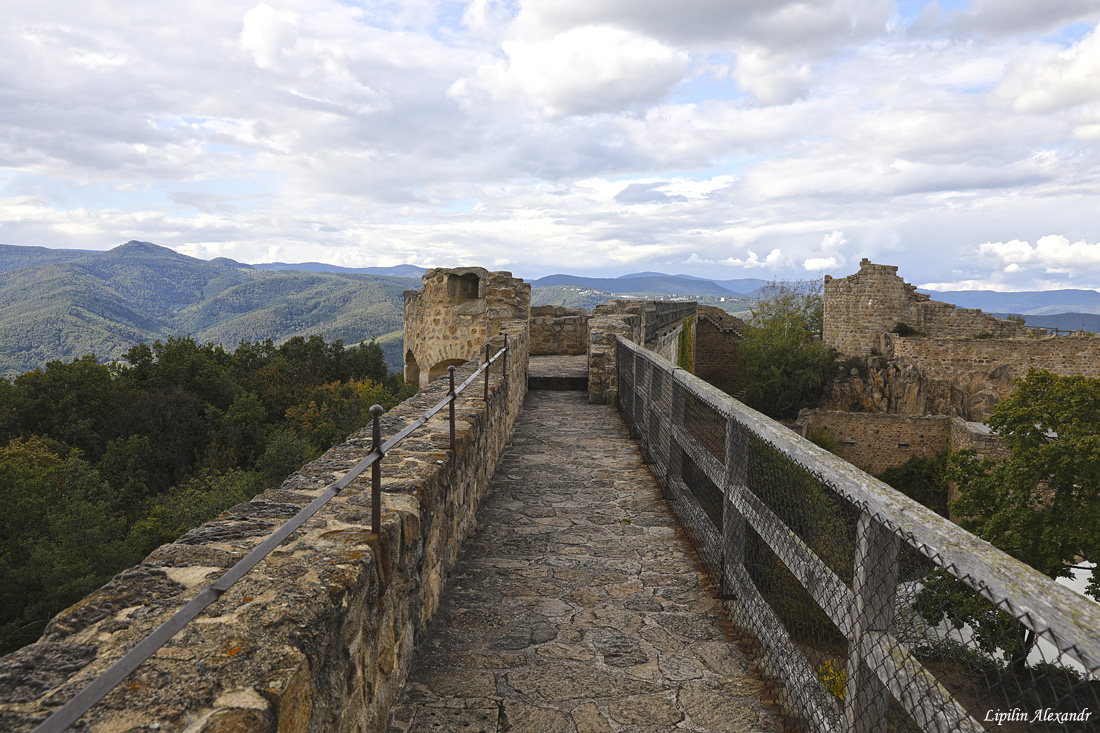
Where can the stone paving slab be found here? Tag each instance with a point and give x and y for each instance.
(551, 365)
(576, 607)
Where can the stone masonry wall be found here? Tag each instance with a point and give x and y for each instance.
(966, 378)
(618, 318)
(319, 636)
(861, 307)
(558, 330)
(978, 437)
(454, 314)
(627, 318)
(955, 360)
(717, 346)
(874, 442)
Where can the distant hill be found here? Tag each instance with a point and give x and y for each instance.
(13, 257)
(105, 302)
(744, 286)
(642, 283)
(1063, 321)
(1036, 302)
(572, 296)
(392, 271)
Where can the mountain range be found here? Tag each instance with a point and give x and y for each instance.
(64, 303)
(61, 304)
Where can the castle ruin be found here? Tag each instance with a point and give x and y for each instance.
(457, 311)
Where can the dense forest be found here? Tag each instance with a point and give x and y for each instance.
(100, 464)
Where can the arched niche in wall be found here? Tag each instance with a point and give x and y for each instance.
(412, 369)
(463, 287)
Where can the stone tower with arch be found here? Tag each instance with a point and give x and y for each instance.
(448, 321)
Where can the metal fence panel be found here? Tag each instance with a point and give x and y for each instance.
(871, 611)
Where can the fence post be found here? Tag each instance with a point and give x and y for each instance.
(451, 394)
(673, 474)
(733, 522)
(376, 473)
(873, 585)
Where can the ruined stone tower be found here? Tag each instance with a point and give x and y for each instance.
(861, 307)
(457, 311)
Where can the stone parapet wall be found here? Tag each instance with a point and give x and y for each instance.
(717, 348)
(319, 636)
(874, 441)
(656, 325)
(558, 330)
(861, 307)
(603, 380)
(958, 360)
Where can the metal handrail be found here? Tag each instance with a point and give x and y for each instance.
(79, 704)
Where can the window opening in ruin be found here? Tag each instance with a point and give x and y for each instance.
(412, 369)
(903, 445)
(463, 287)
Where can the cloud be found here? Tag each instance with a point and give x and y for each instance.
(593, 132)
(645, 193)
(584, 70)
(999, 18)
(1066, 79)
(268, 35)
(773, 260)
(1054, 253)
(830, 258)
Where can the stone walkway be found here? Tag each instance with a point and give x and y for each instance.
(576, 607)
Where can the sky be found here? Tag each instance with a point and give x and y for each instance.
(959, 140)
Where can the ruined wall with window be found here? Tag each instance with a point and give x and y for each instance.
(861, 307)
(449, 320)
(873, 441)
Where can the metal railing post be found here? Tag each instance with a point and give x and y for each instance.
(376, 473)
(451, 394)
(488, 347)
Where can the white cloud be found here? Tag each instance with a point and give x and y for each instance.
(268, 34)
(773, 260)
(1069, 78)
(831, 257)
(583, 70)
(816, 264)
(1054, 252)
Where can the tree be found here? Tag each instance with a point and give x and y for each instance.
(785, 362)
(1041, 504)
(59, 539)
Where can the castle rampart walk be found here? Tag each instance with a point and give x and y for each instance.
(576, 605)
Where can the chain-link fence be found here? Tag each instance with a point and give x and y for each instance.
(868, 610)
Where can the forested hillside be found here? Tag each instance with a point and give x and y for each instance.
(63, 304)
(100, 464)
